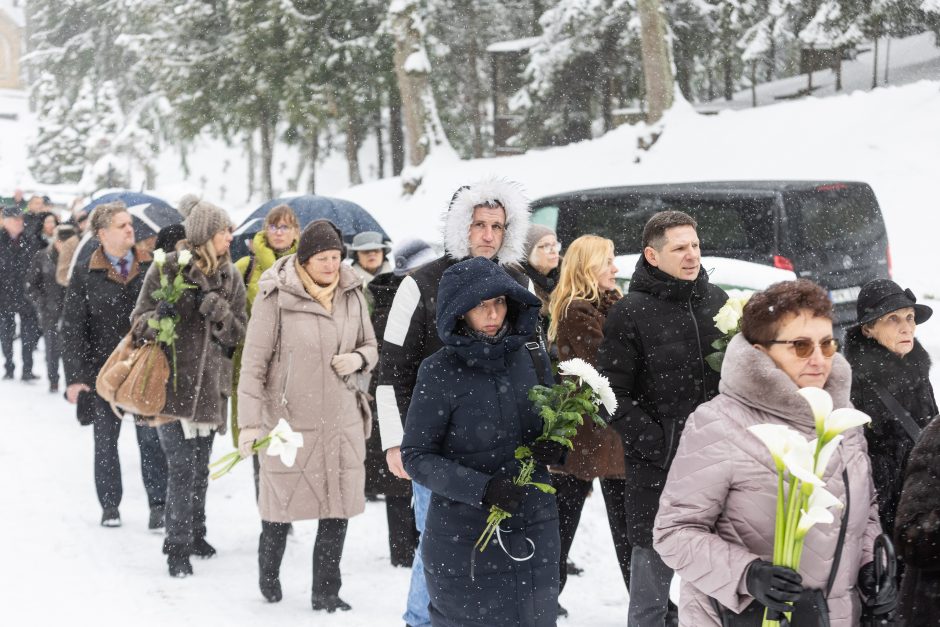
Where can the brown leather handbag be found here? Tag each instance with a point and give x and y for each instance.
(135, 379)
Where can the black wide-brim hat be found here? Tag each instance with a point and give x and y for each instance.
(882, 296)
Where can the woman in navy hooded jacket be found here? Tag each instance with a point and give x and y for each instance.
(469, 412)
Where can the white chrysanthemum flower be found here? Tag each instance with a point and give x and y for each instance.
(159, 257)
(588, 375)
(184, 258)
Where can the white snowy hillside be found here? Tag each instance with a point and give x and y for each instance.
(889, 138)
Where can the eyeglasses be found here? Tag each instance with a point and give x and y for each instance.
(550, 248)
(279, 228)
(804, 348)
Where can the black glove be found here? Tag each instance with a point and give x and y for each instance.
(879, 603)
(548, 452)
(773, 586)
(504, 494)
(165, 310)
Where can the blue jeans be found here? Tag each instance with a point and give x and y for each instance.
(416, 614)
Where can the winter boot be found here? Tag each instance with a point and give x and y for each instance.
(28, 376)
(327, 552)
(271, 546)
(178, 559)
(110, 517)
(330, 603)
(203, 549)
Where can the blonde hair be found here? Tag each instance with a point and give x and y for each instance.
(207, 259)
(585, 258)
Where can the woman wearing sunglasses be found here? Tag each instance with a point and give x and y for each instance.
(715, 524)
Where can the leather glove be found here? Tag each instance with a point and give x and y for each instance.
(213, 306)
(165, 310)
(504, 494)
(879, 603)
(773, 586)
(347, 363)
(548, 452)
(246, 439)
(650, 443)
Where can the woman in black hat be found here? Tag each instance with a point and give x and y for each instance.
(890, 383)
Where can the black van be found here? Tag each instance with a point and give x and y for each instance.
(830, 232)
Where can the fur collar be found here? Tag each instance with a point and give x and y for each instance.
(870, 360)
(751, 377)
(458, 218)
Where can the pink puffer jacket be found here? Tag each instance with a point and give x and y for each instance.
(716, 514)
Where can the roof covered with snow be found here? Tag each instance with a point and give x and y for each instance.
(14, 9)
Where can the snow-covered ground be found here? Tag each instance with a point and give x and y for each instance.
(60, 565)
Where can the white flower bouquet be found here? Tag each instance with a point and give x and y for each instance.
(169, 292)
(282, 442)
(728, 321)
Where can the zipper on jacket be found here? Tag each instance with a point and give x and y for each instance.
(698, 343)
(290, 364)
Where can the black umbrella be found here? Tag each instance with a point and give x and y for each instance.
(149, 214)
(349, 217)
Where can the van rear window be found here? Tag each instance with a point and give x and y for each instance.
(724, 225)
(834, 216)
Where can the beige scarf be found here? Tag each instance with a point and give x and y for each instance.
(323, 294)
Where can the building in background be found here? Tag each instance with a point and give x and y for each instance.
(12, 24)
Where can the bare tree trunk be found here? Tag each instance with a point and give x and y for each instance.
(352, 150)
(423, 130)
(874, 67)
(267, 156)
(754, 83)
(474, 90)
(396, 139)
(657, 67)
(379, 143)
(314, 155)
(252, 164)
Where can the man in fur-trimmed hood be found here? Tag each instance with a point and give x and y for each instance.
(489, 218)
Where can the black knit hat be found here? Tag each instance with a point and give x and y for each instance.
(882, 296)
(318, 236)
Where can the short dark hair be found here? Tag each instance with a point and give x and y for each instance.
(765, 310)
(104, 213)
(654, 233)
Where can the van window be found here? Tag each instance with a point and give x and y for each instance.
(833, 216)
(725, 225)
(546, 216)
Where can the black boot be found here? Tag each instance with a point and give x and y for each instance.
(327, 552)
(271, 545)
(178, 559)
(203, 549)
(157, 518)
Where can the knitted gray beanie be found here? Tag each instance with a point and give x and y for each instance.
(204, 221)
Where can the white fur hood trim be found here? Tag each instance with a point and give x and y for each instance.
(509, 195)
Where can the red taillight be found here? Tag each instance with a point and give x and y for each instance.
(783, 263)
(888, 255)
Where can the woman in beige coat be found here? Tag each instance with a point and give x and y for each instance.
(308, 347)
(715, 524)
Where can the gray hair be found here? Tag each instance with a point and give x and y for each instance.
(103, 214)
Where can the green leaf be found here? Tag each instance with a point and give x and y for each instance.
(561, 440)
(714, 360)
(153, 324)
(544, 487)
(523, 452)
(720, 344)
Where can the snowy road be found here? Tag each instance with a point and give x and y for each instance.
(59, 565)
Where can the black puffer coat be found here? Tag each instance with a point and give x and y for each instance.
(917, 532)
(907, 380)
(15, 258)
(97, 313)
(655, 342)
(468, 414)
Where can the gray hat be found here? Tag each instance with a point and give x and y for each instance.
(12, 211)
(534, 234)
(204, 221)
(411, 255)
(369, 240)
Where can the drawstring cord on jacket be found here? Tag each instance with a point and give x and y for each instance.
(499, 539)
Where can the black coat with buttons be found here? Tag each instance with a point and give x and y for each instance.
(655, 342)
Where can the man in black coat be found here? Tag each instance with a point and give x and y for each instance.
(17, 248)
(655, 342)
(489, 218)
(47, 297)
(101, 295)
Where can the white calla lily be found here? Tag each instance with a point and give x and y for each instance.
(813, 516)
(800, 462)
(184, 258)
(284, 442)
(823, 498)
(825, 454)
(159, 257)
(777, 439)
(820, 403)
(842, 420)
